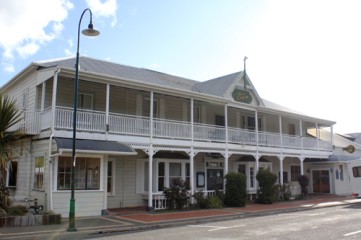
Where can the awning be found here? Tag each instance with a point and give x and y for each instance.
(94, 146)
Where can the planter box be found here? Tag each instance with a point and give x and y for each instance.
(30, 220)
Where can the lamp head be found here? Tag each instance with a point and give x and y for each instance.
(90, 31)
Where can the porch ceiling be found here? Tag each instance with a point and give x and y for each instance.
(94, 146)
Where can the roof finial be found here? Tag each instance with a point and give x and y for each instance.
(244, 72)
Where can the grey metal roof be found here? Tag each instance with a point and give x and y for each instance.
(94, 146)
(122, 71)
(217, 86)
(333, 158)
(275, 106)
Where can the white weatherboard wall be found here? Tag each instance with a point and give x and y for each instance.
(87, 203)
(125, 194)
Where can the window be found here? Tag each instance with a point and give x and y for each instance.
(356, 171)
(340, 168)
(197, 114)
(188, 176)
(161, 176)
(251, 177)
(251, 123)
(110, 177)
(39, 173)
(86, 175)
(146, 108)
(85, 101)
(24, 100)
(291, 129)
(12, 174)
(175, 171)
(295, 173)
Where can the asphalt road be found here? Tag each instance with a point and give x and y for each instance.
(332, 223)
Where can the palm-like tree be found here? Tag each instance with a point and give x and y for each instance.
(9, 117)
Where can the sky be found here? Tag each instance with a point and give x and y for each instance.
(302, 54)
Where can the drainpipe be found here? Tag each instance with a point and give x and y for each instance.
(53, 105)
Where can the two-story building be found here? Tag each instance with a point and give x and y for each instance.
(138, 129)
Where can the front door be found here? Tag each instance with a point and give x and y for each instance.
(214, 179)
(321, 181)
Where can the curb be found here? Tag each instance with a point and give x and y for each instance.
(84, 232)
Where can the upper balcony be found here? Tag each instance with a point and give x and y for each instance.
(122, 124)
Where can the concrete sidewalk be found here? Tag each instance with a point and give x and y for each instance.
(124, 220)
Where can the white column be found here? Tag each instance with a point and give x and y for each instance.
(150, 178)
(281, 168)
(257, 132)
(107, 109)
(226, 135)
(257, 157)
(301, 134)
(43, 88)
(301, 165)
(191, 182)
(318, 137)
(332, 143)
(192, 120)
(151, 115)
(280, 126)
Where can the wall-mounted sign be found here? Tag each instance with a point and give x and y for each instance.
(241, 96)
(349, 148)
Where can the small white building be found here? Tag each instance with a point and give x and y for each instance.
(138, 129)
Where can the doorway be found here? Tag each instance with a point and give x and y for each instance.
(321, 181)
(214, 179)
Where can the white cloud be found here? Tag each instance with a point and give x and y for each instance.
(9, 68)
(27, 49)
(25, 23)
(155, 65)
(107, 8)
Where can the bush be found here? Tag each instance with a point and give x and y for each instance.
(17, 210)
(215, 202)
(303, 180)
(176, 196)
(267, 191)
(201, 200)
(284, 192)
(236, 190)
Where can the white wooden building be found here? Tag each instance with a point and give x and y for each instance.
(138, 129)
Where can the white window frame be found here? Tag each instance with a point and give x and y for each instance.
(294, 165)
(101, 180)
(155, 107)
(197, 116)
(112, 192)
(341, 172)
(81, 96)
(8, 172)
(35, 185)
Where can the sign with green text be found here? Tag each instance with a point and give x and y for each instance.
(241, 96)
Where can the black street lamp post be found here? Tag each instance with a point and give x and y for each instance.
(90, 31)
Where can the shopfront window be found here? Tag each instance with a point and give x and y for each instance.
(86, 174)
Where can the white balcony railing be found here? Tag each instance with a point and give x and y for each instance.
(29, 123)
(95, 121)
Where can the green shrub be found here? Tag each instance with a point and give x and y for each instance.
(284, 192)
(267, 191)
(17, 210)
(303, 180)
(215, 202)
(236, 190)
(201, 200)
(176, 196)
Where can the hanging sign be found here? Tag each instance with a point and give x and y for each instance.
(241, 96)
(349, 148)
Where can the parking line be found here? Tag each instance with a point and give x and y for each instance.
(352, 233)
